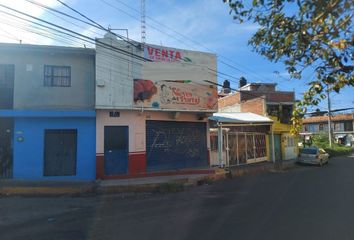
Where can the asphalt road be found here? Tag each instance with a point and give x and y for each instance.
(303, 203)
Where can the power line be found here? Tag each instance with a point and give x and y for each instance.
(189, 39)
(51, 11)
(44, 33)
(43, 6)
(82, 37)
(136, 19)
(82, 15)
(95, 24)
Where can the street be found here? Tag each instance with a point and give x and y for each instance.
(307, 202)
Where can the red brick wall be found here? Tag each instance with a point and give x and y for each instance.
(281, 97)
(229, 100)
(270, 96)
(254, 106)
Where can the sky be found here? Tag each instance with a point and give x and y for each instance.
(202, 25)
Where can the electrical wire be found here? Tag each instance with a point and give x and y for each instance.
(95, 23)
(71, 33)
(100, 27)
(218, 72)
(261, 78)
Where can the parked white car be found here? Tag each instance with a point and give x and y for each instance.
(313, 155)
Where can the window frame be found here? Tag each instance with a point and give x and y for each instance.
(51, 82)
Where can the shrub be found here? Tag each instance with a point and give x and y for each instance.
(321, 141)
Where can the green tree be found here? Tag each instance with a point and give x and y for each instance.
(314, 34)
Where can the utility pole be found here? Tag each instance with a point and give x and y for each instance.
(329, 118)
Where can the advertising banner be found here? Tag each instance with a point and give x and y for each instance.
(174, 94)
(176, 79)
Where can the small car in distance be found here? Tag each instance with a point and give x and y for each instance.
(313, 155)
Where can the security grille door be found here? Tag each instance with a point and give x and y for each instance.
(250, 146)
(7, 75)
(260, 142)
(175, 145)
(60, 152)
(242, 148)
(116, 150)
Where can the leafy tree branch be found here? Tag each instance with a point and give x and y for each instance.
(301, 34)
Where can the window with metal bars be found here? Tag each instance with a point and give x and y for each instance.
(57, 76)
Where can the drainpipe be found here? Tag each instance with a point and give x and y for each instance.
(220, 143)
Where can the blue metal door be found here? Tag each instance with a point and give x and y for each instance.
(60, 152)
(116, 150)
(175, 145)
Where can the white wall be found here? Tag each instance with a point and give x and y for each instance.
(233, 108)
(115, 74)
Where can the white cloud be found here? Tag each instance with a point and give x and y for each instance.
(13, 29)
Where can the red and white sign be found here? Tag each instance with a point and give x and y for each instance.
(162, 54)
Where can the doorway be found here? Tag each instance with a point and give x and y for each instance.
(277, 147)
(116, 150)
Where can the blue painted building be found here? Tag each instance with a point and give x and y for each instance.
(47, 116)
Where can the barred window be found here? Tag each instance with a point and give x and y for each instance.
(57, 76)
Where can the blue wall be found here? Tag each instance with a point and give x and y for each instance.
(29, 154)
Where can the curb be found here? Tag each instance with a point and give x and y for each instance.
(163, 187)
(270, 167)
(45, 190)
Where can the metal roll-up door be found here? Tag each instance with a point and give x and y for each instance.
(175, 145)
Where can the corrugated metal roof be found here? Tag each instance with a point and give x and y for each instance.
(239, 117)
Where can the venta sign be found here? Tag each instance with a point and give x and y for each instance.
(164, 55)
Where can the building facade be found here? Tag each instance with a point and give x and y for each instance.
(47, 116)
(152, 107)
(263, 99)
(342, 127)
(239, 138)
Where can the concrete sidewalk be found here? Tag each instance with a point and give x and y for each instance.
(147, 184)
